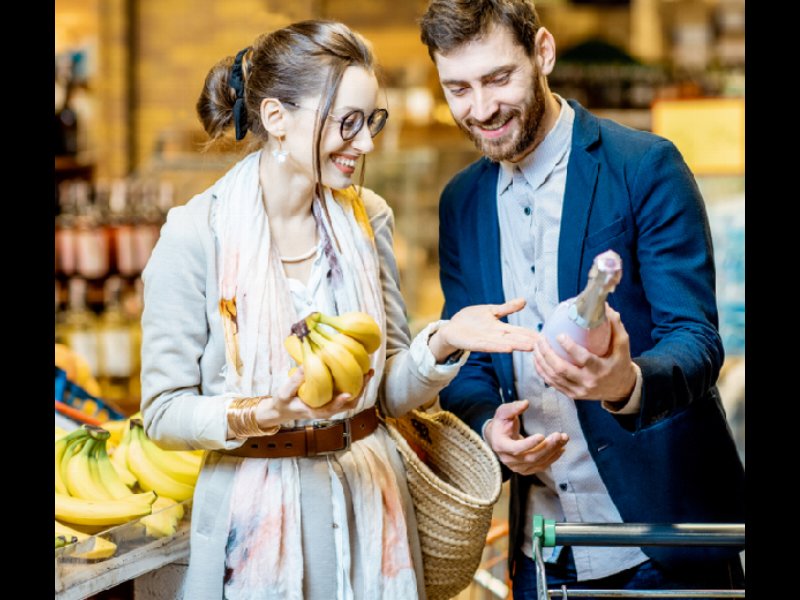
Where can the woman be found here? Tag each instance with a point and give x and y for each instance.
(283, 233)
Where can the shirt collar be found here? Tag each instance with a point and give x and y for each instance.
(538, 165)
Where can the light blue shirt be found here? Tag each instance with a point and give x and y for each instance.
(530, 196)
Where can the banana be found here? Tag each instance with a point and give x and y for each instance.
(120, 461)
(345, 370)
(165, 518)
(180, 468)
(358, 325)
(150, 477)
(61, 447)
(97, 478)
(106, 512)
(102, 547)
(295, 348)
(355, 348)
(60, 432)
(107, 474)
(117, 429)
(74, 446)
(80, 481)
(317, 389)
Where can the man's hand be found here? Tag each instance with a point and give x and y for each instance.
(611, 377)
(523, 455)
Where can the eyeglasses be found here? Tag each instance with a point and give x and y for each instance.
(351, 123)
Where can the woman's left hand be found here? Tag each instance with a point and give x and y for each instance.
(479, 328)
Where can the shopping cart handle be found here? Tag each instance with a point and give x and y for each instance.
(637, 534)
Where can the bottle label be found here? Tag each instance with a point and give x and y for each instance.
(144, 239)
(126, 257)
(65, 251)
(115, 346)
(92, 253)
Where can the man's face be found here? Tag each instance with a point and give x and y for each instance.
(495, 94)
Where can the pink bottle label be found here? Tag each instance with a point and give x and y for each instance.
(596, 340)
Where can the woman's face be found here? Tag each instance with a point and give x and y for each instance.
(358, 90)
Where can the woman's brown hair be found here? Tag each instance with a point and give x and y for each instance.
(303, 59)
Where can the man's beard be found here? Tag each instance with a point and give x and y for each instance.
(509, 147)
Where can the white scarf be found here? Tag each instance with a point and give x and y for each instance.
(265, 544)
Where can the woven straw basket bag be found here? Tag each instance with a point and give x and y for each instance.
(453, 489)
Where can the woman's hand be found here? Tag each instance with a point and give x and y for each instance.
(479, 328)
(287, 406)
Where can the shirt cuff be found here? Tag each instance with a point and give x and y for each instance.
(483, 431)
(633, 404)
(425, 360)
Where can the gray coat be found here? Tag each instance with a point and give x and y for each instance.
(183, 354)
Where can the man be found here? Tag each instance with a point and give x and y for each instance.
(637, 435)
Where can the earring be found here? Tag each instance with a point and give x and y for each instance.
(279, 153)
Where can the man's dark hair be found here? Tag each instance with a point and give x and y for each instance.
(447, 24)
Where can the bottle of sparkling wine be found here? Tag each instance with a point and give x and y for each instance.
(583, 318)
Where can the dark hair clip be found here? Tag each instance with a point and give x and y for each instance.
(237, 83)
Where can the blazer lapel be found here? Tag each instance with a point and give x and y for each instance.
(582, 173)
(488, 234)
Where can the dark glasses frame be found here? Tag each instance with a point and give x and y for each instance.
(375, 121)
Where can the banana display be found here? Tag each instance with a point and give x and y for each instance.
(95, 491)
(334, 352)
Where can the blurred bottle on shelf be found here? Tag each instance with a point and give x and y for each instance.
(115, 345)
(65, 231)
(91, 244)
(66, 124)
(79, 326)
(121, 227)
(148, 222)
(166, 199)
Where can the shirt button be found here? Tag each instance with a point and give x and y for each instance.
(563, 487)
(533, 268)
(527, 210)
(547, 385)
(539, 326)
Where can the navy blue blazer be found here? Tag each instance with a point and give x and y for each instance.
(632, 192)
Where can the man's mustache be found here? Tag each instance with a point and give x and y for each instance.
(498, 118)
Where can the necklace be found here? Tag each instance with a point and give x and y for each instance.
(299, 257)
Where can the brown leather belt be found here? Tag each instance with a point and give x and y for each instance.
(320, 438)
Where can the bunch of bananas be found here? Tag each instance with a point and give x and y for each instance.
(95, 491)
(334, 353)
(89, 493)
(168, 473)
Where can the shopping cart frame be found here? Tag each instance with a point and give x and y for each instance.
(547, 531)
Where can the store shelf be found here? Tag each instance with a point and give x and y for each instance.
(137, 553)
(634, 118)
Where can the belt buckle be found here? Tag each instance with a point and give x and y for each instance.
(346, 435)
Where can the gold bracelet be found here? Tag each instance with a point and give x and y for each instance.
(242, 418)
